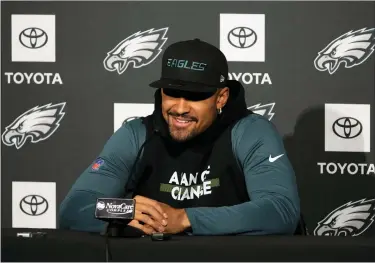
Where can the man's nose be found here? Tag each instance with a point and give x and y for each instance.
(181, 106)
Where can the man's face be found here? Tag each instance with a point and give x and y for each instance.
(188, 113)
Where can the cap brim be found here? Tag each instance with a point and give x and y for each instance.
(186, 86)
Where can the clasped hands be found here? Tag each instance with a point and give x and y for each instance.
(158, 217)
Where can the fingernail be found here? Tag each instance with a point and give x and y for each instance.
(164, 222)
(161, 229)
(165, 215)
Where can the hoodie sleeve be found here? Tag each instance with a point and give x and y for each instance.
(105, 177)
(270, 181)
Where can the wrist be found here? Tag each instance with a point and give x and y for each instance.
(185, 219)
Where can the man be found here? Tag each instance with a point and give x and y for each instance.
(201, 163)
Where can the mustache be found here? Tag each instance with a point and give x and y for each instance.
(183, 116)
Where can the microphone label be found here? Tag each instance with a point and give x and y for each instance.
(115, 208)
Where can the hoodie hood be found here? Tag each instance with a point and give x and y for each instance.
(234, 110)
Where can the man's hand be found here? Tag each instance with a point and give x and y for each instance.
(151, 213)
(177, 219)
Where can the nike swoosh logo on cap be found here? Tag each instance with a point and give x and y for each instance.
(272, 159)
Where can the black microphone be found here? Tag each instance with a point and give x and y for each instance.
(115, 209)
(117, 212)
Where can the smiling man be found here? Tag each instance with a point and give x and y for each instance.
(201, 163)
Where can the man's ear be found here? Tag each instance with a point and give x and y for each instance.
(222, 97)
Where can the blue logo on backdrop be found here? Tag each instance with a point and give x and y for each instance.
(186, 64)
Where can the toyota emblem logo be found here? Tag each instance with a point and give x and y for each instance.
(34, 205)
(242, 37)
(33, 38)
(347, 127)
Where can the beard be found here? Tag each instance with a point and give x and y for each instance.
(181, 135)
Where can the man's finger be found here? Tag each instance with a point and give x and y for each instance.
(145, 228)
(131, 223)
(149, 229)
(147, 209)
(146, 219)
(153, 203)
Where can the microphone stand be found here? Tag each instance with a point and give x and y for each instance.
(114, 228)
(108, 255)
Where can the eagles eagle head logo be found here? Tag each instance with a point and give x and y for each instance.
(141, 49)
(265, 109)
(350, 219)
(38, 124)
(350, 49)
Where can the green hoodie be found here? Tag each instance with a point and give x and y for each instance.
(270, 181)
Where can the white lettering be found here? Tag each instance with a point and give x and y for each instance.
(48, 75)
(235, 76)
(347, 168)
(207, 188)
(321, 167)
(342, 167)
(190, 189)
(334, 166)
(33, 78)
(250, 78)
(40, 76)
(8, 74)
(362, 165)
(174, 195)
(247, 78)
(257, 75)
(355, 166)
(174, 178)
(266, 78)
(57, 78)
(120, 206)
(371, 169)
(185, 195)
(119, 209)
(195, 192)
(193, 179)
(203, 175)
(15, 78)
(184, 180)
(28, 77)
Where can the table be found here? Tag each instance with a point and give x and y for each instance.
(61, 245)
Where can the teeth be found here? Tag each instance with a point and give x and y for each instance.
(182, 121)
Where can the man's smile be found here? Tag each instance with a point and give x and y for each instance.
(180, 122)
